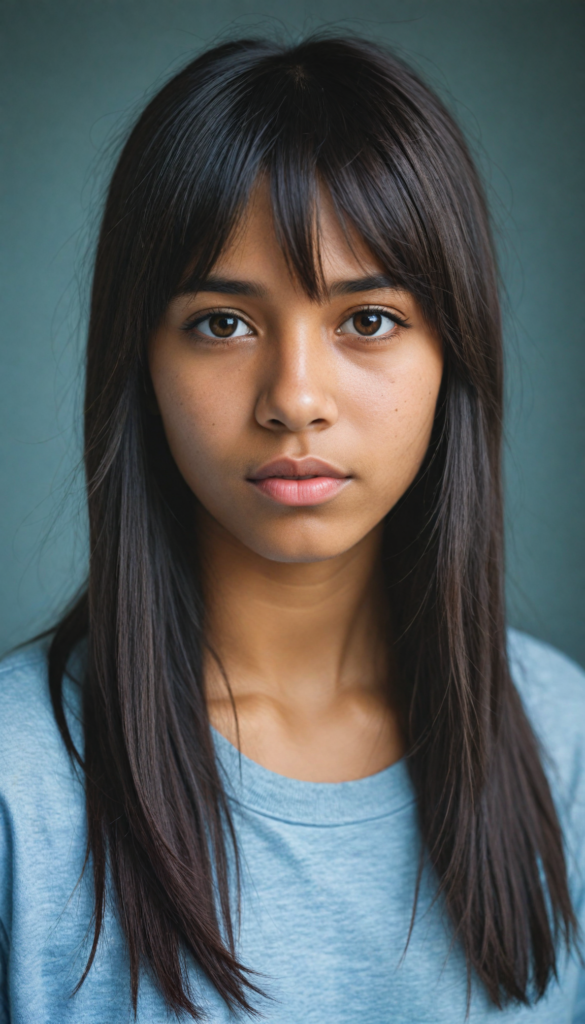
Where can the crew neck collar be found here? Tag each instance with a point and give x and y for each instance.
(311, 803)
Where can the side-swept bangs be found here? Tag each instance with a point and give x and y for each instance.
(390, 157)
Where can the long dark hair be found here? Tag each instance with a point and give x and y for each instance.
(350, 117)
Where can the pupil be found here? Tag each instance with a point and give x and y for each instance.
(367, 323)
(223, 326)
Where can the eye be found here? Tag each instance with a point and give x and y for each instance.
(368, 323)
(220, 325)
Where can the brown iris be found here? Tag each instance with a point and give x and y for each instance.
(222, 325)
(367, 322)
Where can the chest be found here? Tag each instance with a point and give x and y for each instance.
(326, 913)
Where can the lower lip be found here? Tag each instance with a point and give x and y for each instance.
(313, 491)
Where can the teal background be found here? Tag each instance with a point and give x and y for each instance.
(74, 72)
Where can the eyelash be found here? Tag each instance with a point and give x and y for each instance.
(398, 321)
(190, 325)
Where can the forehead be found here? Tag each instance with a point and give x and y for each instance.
(256, 245)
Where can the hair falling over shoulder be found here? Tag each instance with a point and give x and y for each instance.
(350, 117)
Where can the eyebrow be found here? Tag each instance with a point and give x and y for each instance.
(233, 286)
(361, 284)
(223, 286)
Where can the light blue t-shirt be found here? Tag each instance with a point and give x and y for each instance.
(327, 889)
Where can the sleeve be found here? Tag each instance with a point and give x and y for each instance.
(4, 950)
(5, 901)
(579, 1008)
(552, 688)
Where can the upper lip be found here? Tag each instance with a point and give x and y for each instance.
(287, 467)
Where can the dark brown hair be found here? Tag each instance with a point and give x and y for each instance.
(348, 116)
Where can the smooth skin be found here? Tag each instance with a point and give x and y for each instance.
(251, 370)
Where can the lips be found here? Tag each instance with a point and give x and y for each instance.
(299, 481)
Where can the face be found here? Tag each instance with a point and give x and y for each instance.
(297, 423)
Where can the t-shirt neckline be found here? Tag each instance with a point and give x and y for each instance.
(311, 803)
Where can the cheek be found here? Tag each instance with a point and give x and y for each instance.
(202, 418)
(394, 410)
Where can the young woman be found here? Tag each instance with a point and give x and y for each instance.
(282, 757)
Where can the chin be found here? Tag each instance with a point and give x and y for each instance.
(302, 556)
(299, 545)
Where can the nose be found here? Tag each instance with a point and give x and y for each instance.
(297, 388)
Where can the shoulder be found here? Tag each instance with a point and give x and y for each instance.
(42, 807)
(552, 689)
(551, 685)
(24, 694)
(25, 705)
(29, 737)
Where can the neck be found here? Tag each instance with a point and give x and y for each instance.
(299, 643)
